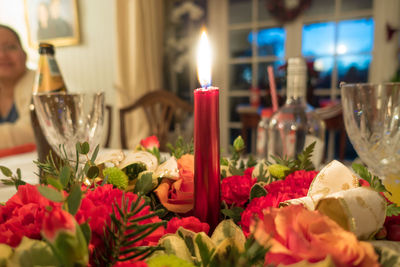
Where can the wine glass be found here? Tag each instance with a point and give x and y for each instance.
(372, 119)
(68, 118)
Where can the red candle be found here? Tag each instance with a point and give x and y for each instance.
(206, 141)
(206, 155)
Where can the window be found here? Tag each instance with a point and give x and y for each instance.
(255, 41)
(327, 34)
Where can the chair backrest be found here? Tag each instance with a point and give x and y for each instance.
(109, 126)
(160, 107)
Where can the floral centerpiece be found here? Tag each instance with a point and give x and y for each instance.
(135, 209)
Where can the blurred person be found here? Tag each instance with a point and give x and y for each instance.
(16, 82)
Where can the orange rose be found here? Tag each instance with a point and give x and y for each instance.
(296, 234)
(177, 196)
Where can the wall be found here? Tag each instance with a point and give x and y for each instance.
(88, 66)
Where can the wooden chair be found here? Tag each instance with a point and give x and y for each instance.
(109, 126)
(162, 108)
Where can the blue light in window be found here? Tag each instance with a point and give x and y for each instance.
(270, 42)
(355, 36)
(318, 39)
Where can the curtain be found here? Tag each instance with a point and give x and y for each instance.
(139, 53)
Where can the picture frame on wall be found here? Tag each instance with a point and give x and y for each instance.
(52, 21)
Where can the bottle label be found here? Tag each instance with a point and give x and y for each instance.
(48, 78)
(53, 67)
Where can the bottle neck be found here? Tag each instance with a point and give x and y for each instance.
(296, 86)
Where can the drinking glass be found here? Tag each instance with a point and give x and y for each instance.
(371, 115)
(68, 118)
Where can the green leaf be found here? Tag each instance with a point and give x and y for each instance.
(87, 233)
(94, 154)
(144, 184)
(19, 176)
(180, 148)
(374, 181)
(6, 171)
(392, 210)
(65, 175)
(78, 147)
(303, 161)
(205, 254)
(92, 172)
(257, 191)
(235, 171)
(251, 162)
(74, 199)
(50, 193)
(362, 171)
(224, 162)
(54, 182)
(234, 213)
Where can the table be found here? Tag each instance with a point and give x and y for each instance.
(28, 170)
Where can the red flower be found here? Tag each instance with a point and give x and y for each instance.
(236, 189)
(55, 221)
(23, 215)
(150, 142)
(189, 223)
(295, 185)
(97, 206)
(131, 263)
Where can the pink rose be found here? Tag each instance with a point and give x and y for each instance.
(150, 142)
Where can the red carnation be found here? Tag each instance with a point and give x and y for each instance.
(23, 215)
(150, 142)
(236, 189)
(189, 223)
(57, 221)
(97, 206)
(295, 185)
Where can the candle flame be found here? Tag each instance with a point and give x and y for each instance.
(204, 61)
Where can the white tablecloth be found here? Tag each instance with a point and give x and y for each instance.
(28, 170)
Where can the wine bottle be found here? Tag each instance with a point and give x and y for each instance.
(48, 80)
(295, 125)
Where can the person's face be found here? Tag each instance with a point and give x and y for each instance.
(12, 56)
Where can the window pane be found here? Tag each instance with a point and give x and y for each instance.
(239, 11)
(321, 7)
(318, 39)
(353, 69)
(263, 80)
(240, 43)
(323, 66)
(270, 42)
(355, 36)
(263, 13)
(235, 102)
(240, 77)
(350, 5)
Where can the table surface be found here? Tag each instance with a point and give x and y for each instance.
(28, 170)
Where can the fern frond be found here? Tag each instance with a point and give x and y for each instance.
(125, 230)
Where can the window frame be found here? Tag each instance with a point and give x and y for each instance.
(381, 66)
